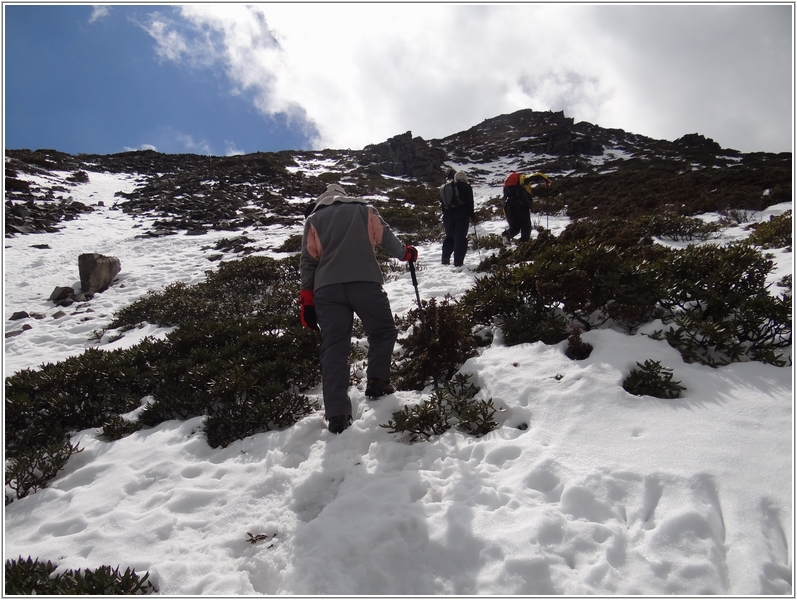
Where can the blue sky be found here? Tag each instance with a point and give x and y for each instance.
(100, 88)
(237, 78)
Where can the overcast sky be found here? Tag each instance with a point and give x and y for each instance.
(239, 78)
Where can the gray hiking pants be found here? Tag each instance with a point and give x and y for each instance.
(335, 307)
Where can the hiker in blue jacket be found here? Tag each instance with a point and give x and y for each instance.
(341, 277)
(456, 202)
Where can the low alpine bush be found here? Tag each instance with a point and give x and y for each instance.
(30, 470)
(652, 379)
(604, 273)
(237, 352)
(449, 406)
(28, 577)
(438, 344)
(577, 349)
(775, 233)
(259, 411)
(720, 309)
(672, 226)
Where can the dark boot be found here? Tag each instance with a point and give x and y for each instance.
(378, 387)
(340, 423)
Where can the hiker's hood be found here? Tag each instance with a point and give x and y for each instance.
(335, 193)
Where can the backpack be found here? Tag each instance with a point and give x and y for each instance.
(515, 190)
(512, 179)
(449, 195)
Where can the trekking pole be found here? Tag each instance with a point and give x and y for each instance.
(478, 246)
(420, 314)
(547, 201)
(417, 293)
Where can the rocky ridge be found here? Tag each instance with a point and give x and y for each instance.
(597, 172)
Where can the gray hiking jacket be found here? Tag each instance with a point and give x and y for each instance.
(339, 239)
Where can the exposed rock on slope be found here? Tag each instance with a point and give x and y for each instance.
(597, 172)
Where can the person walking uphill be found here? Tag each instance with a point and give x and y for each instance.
(456, 201)
(341, 277)
(518, 202)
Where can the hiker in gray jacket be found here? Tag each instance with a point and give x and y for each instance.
(341, 277)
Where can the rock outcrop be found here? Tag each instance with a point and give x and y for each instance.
(406, 156)
(97, 272)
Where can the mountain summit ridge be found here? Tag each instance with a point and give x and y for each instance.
(597, 172)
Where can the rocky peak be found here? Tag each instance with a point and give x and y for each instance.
(597, 172)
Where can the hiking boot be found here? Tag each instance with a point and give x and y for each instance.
(378, 387)
(445, 261)
(339, 424)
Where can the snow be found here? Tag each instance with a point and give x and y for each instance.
(583, 490)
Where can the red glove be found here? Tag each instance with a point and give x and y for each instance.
(308, 316)
(411, 255)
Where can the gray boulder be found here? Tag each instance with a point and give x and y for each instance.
(97, 272)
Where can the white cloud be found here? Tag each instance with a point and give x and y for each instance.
(99, 12)
(171, 44)
(231, 149)
(142, 147)
(358, 73)
(190, 145)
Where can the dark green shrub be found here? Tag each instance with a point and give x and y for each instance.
(775, 233)
(730, 217)
(78, 393)
(414, 224)
(615, 231)
(524, 251)
(758, 331)
(448, 406)
(606, 272)
(31, 470)
(577, 349)
(672, 226)
(34, 577)
(239, 288)
(417, 195)
(293, 243)
(533, 321)
(714, 280)
(509, 298)
(214, 364)
(652, 379)
(236, 335)
(261, 410)
(594, 283)
(435, 348)
(721, 309)
(494, 296)
(115, 428)
(487, 242)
